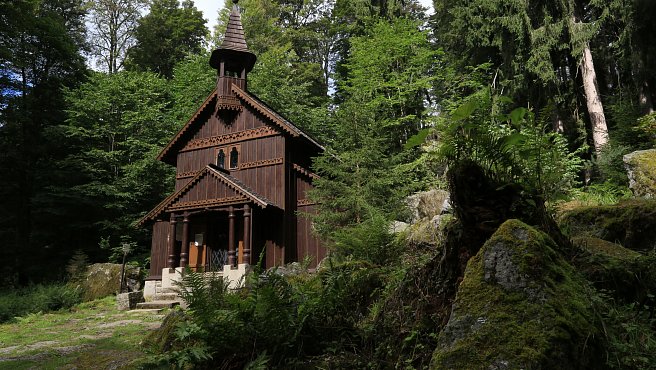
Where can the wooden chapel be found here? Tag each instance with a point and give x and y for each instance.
(242, 179)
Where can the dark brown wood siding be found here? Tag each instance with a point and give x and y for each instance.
(208, 188)
(261, 153)
(158, 249)
(307, 244)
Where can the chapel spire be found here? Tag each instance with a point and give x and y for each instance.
(234, 50)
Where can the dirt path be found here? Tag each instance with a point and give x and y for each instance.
(93, 335)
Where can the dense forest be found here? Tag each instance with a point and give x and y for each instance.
(531, 100)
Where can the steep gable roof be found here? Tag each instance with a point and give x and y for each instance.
(207, 104)
(249, 99)
(241, 191)
(276, 118)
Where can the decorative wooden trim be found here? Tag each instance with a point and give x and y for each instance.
(226, 102)
(277, 119)
(207, 202)
(305, 203)
(265, 111)
(167, 204)
(262, 163)
(208, 142)
(185, 175)
(305, 172)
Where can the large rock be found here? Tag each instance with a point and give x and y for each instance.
(625, 274)
(641, 170)
(427, 204)
(520, 305)
(631, 224)
(128, 301)
(104, 279)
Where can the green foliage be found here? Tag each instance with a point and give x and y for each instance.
(366, 173)
(609, 162)
(647, 124)
(630, 334)
(37, 298)
(40, 56)
(193, 81)
(368, 240)
(274, 320)
(606, 193)
(511, 148)
(390, 71)
(166, 35)
(77, 267)
(275, 80)
(118, 123)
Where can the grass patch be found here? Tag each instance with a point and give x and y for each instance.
(37, 298)
(91, 335)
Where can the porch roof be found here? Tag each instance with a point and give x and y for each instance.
(242, 194)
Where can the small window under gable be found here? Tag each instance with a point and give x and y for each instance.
(234, 157)
(220, 159)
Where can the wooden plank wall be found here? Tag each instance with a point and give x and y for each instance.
(208, 187)
(158, 249)
(267, 235)
(261, 152)
(307, 244)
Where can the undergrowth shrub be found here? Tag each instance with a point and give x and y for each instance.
(283, 322)
(37, 298)
(601, 194)
(610, 164)
(514, 148)
(630, 334)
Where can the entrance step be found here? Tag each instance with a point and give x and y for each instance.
(145, 311)
(157, 304)
(166, 297)
(166, 290)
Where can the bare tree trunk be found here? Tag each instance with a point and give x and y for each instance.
(593, 101)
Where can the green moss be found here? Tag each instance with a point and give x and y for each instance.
(630, 223)
(625, 274)
(643, 168)
(596, 246)
(520, 305)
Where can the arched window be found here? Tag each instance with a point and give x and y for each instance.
(234, 158)
(220, 159)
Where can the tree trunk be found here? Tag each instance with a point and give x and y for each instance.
(593, 101)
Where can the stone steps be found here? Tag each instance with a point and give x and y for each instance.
(157, 305)
(166, 297)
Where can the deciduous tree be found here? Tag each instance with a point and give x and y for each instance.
(166, 36)
(113, 24)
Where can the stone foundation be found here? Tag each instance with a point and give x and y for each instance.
(128, 301)
(150, 290)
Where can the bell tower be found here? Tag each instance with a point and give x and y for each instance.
(233, 61)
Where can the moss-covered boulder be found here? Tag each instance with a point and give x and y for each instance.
(104, 279)
(426, 204)
(631, 223)
(625, 274)
(641, 170)
(520, 305)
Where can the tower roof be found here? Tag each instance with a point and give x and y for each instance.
(234, 45)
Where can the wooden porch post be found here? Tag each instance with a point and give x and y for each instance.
(247, 233)
(184, 251)
(231, 236)
(170, 263)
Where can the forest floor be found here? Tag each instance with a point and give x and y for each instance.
(92, 335)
